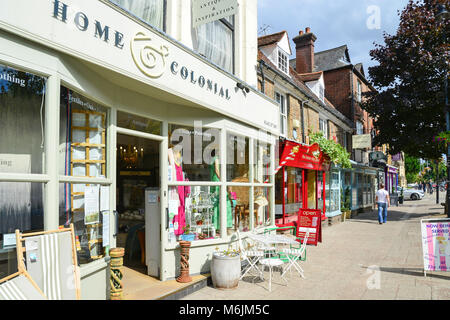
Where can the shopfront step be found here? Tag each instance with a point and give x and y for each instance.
(187, 290)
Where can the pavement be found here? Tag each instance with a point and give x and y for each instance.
(358, 259)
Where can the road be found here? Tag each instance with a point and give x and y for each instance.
(358, 259)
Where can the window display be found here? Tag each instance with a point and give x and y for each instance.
(22, 119)
(240, 198)
(82, 136)
(237, 158)
(83, 209)
(199, 148)
(262, 206)
(261, 159)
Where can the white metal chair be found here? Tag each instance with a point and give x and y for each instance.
(273, 262)
(295, 255)
(251, 256)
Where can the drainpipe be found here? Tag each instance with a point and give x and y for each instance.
(303, 121)
(263, 80)
(352, 111)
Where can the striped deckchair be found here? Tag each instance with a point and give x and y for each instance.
(20, 286)
(50, 259)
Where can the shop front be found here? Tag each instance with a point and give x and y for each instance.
(135, 153)
(299, 181)
(391, 183)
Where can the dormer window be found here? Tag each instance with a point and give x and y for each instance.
(282, 61)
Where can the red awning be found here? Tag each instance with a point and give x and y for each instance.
(303, 156)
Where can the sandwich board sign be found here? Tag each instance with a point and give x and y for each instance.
(435, 244)
(310, 220)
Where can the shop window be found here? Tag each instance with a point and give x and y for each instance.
(215, 41)
(196, 153)
(262, 206)
(21, 207)
(133, 122)
(22, 118)
(237, 158)
(293, 189)
(261, 159)
(334, 194)
(195, 211)
(82, 140)
(150, 11)
(82, 204)
(240, 198)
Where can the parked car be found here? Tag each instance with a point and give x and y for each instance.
(412, 194)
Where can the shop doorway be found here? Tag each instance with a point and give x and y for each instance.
(138, 202)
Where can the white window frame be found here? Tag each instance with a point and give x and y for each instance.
(358, 93)
(282, 61)
(281, 99)
(359, 127)
(323, 127)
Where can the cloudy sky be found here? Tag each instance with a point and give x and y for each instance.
(356, 23)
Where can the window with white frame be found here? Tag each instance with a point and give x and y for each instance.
(358, 93)
(150, 11)
(323, 127)
(359, 127)
(215, 41)
(321, 93)
(283, 112)
(282, 61)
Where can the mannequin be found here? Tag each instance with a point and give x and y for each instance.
(214, 168)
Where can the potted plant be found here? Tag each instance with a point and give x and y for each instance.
(345, 204)
(199, 221)
(225, 269)
(187, 235)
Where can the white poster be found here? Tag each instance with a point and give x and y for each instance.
(91, 204)
(436, 244)
(105, 230)
(104, 198)
(204, 11)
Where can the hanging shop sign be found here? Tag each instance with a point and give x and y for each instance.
(361, 141)
(303, 156)
(204, 11)
(436, 244)
(309, 220)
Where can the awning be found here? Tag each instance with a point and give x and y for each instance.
(303, 156)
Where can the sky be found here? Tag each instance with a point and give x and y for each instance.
(356, 23)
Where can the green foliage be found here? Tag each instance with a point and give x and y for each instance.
(345, 199)
(337, 154)
(412, 165)
(412, 65)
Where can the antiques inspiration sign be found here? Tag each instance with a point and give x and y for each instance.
(204, 11)
(436, 244)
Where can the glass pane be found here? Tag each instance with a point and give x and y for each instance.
(82, 139)
(21, 207)
(261, 158)
(237, 158)
(194, 153)
(241, 207)
(22, 118)
(80, 204)
(262, 206)
(151, 11)
(214, 40)
(194, 213)
(133, 122)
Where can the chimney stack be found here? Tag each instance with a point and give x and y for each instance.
(304, 45)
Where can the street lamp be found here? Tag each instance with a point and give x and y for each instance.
(442, 15)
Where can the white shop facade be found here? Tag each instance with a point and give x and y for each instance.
(115, 127)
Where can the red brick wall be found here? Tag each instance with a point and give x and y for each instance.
(337, 90)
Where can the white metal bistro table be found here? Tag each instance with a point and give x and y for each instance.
(269, 240)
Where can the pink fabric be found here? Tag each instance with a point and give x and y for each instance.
(180, 217)
(431, 266)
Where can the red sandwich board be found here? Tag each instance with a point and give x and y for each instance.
(310, 220)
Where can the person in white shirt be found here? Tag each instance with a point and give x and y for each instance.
(382, 199)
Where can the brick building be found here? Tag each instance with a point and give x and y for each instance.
(304, 108)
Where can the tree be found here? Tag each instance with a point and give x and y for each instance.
(408, 109)
(412, 168)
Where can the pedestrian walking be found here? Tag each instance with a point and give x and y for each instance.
(382, 199)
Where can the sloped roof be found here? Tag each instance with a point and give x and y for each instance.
(299, 83)
(270, 38)
(329, 59)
